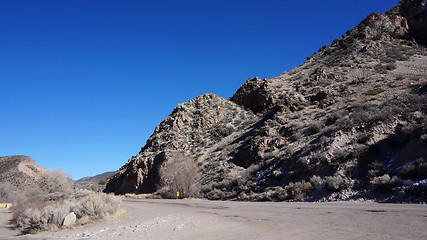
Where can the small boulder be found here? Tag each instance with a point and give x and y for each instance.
(69, 220)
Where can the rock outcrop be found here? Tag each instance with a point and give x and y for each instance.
(194, 128)
(19, 170)
(350, 123)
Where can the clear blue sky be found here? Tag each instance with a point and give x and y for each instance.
(84, 82)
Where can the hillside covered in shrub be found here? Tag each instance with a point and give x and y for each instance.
(42, 199)
(349, 123)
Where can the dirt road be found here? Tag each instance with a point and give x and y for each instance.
(5, 230)
(189, 219)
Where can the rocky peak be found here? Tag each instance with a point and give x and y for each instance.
(408, 20)
(379, 26)
(202, 112)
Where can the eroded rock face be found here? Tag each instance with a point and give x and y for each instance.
(384, 27)
(332, 128)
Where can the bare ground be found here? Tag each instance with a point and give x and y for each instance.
(191, 219)
(5, 229)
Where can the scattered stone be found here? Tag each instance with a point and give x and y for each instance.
(70, 219)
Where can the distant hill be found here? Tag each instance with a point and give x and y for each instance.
(93, 182)
(349, 123)
(19, 170)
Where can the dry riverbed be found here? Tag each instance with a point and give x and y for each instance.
(191, 219)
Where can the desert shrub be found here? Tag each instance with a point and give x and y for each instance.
(340, 156)
(88, 208)
(288, 131)
(44, 205)
(94, 206)
(416, 170)
(316, 181)
(180, 174)
(332, 118)
(51, 186)
(225, 130)
(47, 218)
(381, 184)
(335, 183)
(361, 27)
(344, 124)
(26, 203)
(396, 182)
(375, 169)
(397, 53)
(419, 190)
(243, 196)
(363, 137)
(224, 184)
(346, 42)
(312, 128)
(277, 193)
(52, 181)
(103, 182)
(322, 48)
(215, 194)
(298, 190)
(374, 91)
(358, 151)
(8, 193)
(384, 68)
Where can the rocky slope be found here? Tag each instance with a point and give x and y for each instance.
(96, 182)
(349, 123)
(19, 170)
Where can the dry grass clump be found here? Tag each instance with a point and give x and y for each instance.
(374, 91)
(88, 208)
(143, 196)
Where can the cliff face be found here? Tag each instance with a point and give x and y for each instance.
(415, 12)
(348, 123)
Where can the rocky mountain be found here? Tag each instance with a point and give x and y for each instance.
(349, 123)
(19, 170)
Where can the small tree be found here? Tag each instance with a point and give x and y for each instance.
(8, 193)
(55, 181)
(179, 174)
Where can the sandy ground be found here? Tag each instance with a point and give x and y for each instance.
(5, 230)
(190, 219)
